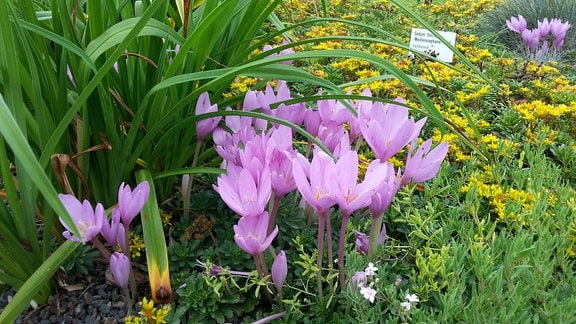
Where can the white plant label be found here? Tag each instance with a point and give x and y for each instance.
(423, 40)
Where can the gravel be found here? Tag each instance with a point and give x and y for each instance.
(78, 300)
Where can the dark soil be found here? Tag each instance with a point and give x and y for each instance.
(79, 299)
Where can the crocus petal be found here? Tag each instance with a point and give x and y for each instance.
(424, 164)
(266, 243)
(362, 242)
(131, 202)
(279, 270)
(120, 269)
(88, 222)
(110, 228)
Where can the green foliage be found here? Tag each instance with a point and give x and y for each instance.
(210, 298)
(81, 261)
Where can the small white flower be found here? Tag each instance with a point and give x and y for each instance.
(370, 269)
(368, 293)
(412, 298)
(406, 305)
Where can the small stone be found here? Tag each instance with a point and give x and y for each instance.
(110, 320)
(78, 310)
(105, 308)
(88, 298)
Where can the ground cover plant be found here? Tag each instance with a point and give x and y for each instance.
(295, 164)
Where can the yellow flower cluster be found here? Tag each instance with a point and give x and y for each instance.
(500, 198)
(535, 110)
(241, 86)
(473, 92)
(463, 12)
(441, 73)
(149, 314)
(136, 245)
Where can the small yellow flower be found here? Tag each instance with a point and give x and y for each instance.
(136, 245)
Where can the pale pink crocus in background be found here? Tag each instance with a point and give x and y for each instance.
(205, 126)
(543, 27)
(285, 51)
(531, 39)
(517, 24)
(88, 221)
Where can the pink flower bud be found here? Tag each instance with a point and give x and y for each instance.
(279, 270)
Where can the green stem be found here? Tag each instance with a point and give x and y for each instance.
(374, 237)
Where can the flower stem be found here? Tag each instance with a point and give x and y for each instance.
(186, 193)
(101, 248)
(330, 249)
(319, 258)
(341, 245)
(375, 228)
(273, 213)
(329, 240)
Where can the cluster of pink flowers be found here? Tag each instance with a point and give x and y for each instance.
(262, 164)
(93, 221)
(549, 35)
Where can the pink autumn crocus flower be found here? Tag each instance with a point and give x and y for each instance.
(242, 193)
(315, 180)
(423, 164)
(387, 128)
(285, 51)
(543, 27)
(559, 28)
(383, 197)
(250, 234)
(351, 195)
(88, 221)
(531, 39)
(517, 24)
(110, 228)
(131, 202)
(205, 126)
(279, 270)
(120, 269)
(281, 172)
